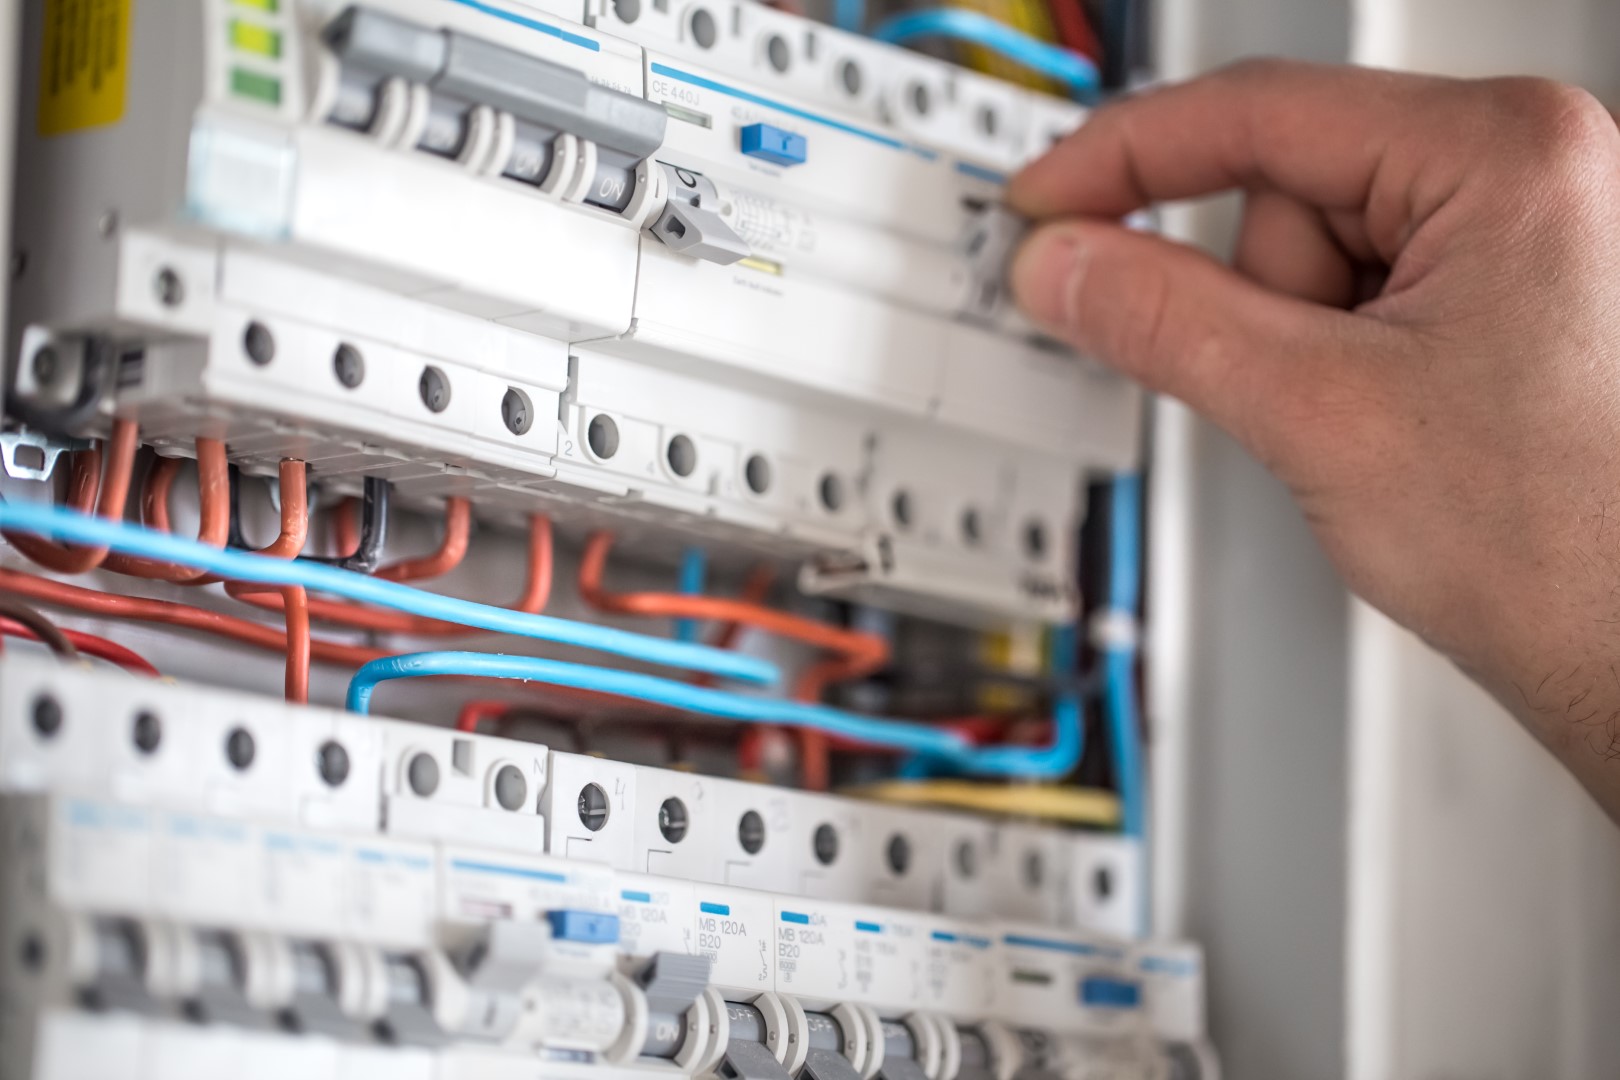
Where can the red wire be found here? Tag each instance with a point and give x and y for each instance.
(1074, 28)
(478, 710)
(90, 645)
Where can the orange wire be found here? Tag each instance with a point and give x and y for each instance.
(864, 652)
(859, 653)
(107, 487)
(452, 549)
(295, 608)
(214, 508)
(289, 542)
(89, 645)
(168, 613)
(294, 600)
(346, 526)
(754, 591)
(536, 593)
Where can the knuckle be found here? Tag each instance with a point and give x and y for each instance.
(1561, 124)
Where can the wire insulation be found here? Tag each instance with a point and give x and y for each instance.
(38, 626)
(451, 550)
(677, 695)
(89, 645)
(973, 28)
(1070, 805)
(62, 524)
(94, 481)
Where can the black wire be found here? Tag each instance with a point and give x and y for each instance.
(97, 378)
(1118, 30)
(373, 531)
(48, 632)
(236, 538)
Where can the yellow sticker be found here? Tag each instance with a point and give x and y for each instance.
(83, 64)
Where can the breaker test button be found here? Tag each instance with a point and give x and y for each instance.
(770, 143)
(1106, 993)
(584, 927)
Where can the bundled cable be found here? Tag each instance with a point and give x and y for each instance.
(62, 524)
(971, 27)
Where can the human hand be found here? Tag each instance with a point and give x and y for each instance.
(1419, 334)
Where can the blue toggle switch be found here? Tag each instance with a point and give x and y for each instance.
(1102, 992)
(770, 143)
(584, 927)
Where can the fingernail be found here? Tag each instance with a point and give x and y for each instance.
(1043, 275)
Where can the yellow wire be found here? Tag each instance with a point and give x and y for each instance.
(1071, 805)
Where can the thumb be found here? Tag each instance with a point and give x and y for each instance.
(1177, 321)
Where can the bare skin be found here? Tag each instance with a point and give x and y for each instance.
(1419, 334)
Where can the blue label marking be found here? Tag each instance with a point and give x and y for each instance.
(783, 107)
(796, 917)
(943, 935)
(868, 927)
(1101, 992)
(714, 909)
(509, 871)
(635, 897)
(1168, 966)
(1073, 948)
(531, 24)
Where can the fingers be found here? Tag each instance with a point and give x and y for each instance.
(1182, 324)
(1287, 246)
(1318, 134)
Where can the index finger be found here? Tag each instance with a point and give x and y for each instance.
(1315, 132)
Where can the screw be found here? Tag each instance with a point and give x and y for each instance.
(46, 365)
(515, 412)
(332, 762)
(239, 748)
(511, 789)
(434, 389)
(47, 716)
(148, 731)
(168, 288)
(259, 343)
(422, 774)
(349, 365)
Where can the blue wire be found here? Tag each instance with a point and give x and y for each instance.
(694, 568)
(1013, 761)
(974, 28)
(849, 15)
(72, 527)
(1119, 659)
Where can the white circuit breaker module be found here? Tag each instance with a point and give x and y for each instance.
(694, 280)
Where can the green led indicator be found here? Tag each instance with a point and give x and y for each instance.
(271, 6)
(253, 85)
(256, 39)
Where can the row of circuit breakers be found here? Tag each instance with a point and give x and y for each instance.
(696, 267)
(203, 883)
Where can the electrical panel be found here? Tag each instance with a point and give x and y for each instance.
(197, 878)
(676, 279)
(705, 264)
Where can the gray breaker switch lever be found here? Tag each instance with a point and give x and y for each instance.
(693, 220)
(544, 99)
